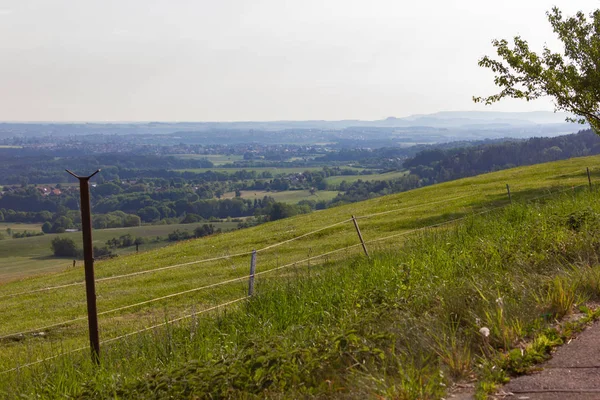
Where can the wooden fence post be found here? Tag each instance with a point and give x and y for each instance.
(509, 196)
(589, 178)
(252, 271)
(364, 246)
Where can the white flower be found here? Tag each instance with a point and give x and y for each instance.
(500, 302)
(485, 332)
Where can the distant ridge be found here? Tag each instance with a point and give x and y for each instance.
(443, 119)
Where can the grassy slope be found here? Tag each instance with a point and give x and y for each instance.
(24, 257)
(422, 207)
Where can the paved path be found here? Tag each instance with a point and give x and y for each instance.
(573, 372)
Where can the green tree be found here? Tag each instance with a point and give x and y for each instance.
(149, 214)
(132, 220)
(47, 227)
(64, 247)
(282, 210)
(191, 218)
(127, 240)
(570, 78)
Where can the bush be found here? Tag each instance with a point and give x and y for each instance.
(26, 234)
(122, 241)
(47, 227)
(64, 247)
(178, 235)
(205, 230)
(102, 252)
(191, 218)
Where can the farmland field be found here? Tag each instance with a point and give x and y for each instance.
(288, 196)
(216, 159)
(273, 170)
(188, 268)
(19, 227)
(336, 180)
(29, 256)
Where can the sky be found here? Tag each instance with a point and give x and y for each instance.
(257, 60)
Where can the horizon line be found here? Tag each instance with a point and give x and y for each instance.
(260, 121)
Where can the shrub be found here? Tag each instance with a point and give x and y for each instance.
(64, 247)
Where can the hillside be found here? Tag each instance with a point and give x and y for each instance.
(172, 282)
(25, 257)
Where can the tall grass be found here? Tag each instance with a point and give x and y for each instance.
(404, 324)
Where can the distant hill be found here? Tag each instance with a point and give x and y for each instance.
(430, 128)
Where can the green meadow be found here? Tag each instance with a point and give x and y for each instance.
(216, 159)
(288, 196)
(273, 170)
(24, 257)
(388, 176)
(326, 321)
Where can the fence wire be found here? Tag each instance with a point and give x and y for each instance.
(126, 335)
(138, 273)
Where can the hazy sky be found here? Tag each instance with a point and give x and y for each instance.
(127, 60)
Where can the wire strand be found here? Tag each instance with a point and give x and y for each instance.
(304, 235)
(108, 278)
(410, 207)
(126, 335)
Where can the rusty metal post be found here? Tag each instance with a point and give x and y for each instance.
(589, 178)
(509, 196)
(364, 246)
(88, 257)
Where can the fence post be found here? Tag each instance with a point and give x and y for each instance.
(252, 271)
(509, 196)
(364, 246)
(88, 259)
(589, 178)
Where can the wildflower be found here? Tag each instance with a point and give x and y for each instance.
(485, 332)
(500, 302)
